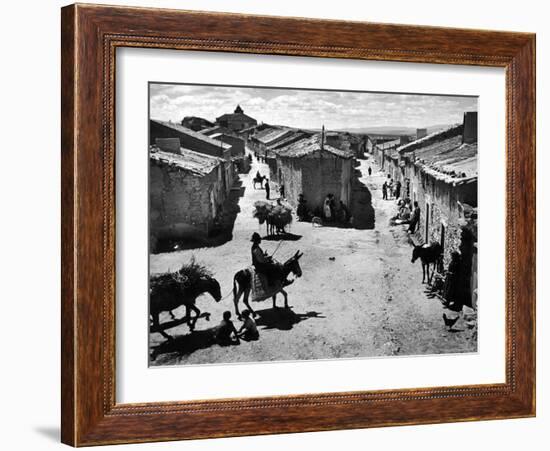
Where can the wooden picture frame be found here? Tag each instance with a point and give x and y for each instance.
(90, 36)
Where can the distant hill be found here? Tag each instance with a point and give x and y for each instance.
(394, 130)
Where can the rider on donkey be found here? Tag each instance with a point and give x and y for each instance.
(265, 264)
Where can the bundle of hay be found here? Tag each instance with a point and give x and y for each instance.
(262, 209)
(280, 216)
(189, 274)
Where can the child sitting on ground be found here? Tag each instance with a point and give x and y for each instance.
(249, 330)
(226, 331)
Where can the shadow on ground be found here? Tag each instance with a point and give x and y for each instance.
(282, 237)
(282, 318)
(361, 204)
(186, 344)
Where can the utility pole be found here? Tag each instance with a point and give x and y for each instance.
(323, 138)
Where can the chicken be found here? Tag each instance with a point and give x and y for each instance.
(450, 322)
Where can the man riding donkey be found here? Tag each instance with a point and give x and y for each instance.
(265, 264)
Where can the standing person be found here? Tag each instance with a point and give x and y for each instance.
(282, 191)
(370, 171)
(344, 213)
(267, 188)
(397, 189)
(384, 191)
(301, 211)
(327, 212)
(415, 219)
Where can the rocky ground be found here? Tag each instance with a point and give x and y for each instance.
(359, 296)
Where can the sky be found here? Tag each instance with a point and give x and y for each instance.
(308, 109)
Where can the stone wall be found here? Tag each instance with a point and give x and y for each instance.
(439, 201)
(182, 204)
(315, 176)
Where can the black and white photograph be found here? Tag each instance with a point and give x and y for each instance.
(297, 224)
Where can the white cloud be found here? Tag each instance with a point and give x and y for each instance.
(306, 108)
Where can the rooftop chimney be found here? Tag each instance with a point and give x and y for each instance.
(469, 134)
(421, 132)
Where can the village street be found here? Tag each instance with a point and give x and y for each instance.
(359, 295)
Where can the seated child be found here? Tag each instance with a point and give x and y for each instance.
(248, 330)
(225, 331)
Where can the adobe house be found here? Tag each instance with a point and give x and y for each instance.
(315, 169)
(237, 120)
(186, 193)
(197, 142)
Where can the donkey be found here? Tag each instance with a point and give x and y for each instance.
(259, 180)
(172, 293)
(428, 255)
(242, 284)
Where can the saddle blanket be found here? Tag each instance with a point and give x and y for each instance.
(260, 288)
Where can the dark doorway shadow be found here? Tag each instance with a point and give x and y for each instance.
(282, 318)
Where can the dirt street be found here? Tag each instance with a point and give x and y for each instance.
(359, 296)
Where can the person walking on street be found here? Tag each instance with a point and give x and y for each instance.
(384, 191)
(397, 189)
(370, 171)
(267, 188)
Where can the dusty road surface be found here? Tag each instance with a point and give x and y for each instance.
(359, 296)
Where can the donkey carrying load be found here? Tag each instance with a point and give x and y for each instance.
(171, 290)
(247, 281)
(429, 255)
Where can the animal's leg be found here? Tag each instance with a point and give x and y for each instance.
(245, 300)
(156, 325)
(423, 271)
(274, 298)
(285, 294)
(193, 321)
(236, 302)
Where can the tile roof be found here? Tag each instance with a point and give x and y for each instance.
(194, 134)
(190, 161)
(297, 135)
(443, 155)
(275, 135)
(308, 146)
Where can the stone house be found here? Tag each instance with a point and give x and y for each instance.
(315, 169)
(197, 142)
(186, 194)
(237, 120)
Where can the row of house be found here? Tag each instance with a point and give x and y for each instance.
(190, 177)
(439, 171)
(193, 167)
